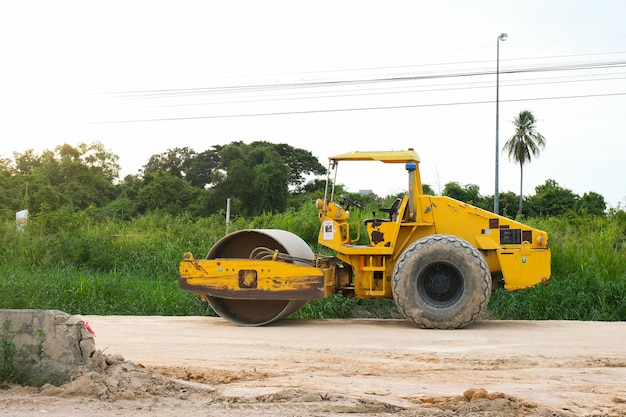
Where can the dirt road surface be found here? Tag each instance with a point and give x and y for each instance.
(203, 366)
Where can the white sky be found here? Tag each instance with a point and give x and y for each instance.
(65, 65)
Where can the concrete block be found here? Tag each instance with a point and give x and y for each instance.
(49, 344)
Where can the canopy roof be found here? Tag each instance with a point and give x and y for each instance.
(383, 156)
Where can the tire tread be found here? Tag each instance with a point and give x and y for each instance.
(405, 304)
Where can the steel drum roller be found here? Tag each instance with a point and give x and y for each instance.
(242, 244)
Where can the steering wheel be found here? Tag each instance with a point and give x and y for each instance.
(349, 202)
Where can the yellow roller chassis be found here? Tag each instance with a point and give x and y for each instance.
(253, 279)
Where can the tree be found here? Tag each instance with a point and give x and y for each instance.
(468, 193)
(208, 169)
(299, 161)
(524, 144)
(173, 161)
(161, 190)
(204, 168)
(551, 199)
(71, 177)
(13, 195)
(98, 158)
(591, 203)
(508, 203)
(257, 176)
(427, 189)
(27, 162)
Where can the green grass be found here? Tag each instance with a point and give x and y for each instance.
(96, 293)
(104, 268)
(82, 264)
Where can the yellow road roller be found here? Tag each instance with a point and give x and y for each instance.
(438, 258)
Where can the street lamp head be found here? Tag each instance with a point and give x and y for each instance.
(503, 36)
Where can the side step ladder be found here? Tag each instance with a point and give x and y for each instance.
(368, 263)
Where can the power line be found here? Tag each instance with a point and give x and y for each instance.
(295, 112)
(426, 65)
(242, 94)
(349, 82)
(395, 90)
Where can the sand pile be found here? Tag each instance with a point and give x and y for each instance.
(113, 378)
(109, 384)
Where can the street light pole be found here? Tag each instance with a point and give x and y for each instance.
(496, 197)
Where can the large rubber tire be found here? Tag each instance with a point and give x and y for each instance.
(441, 282)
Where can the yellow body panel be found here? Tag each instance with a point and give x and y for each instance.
(523, 267)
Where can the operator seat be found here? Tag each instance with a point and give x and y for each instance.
(392, 211)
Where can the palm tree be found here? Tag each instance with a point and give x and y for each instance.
(524, 144)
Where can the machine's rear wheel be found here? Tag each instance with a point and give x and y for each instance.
(242, 244)
(441, 282)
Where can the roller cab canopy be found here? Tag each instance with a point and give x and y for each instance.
(383, 156)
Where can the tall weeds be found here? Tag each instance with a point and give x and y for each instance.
(83, 264)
